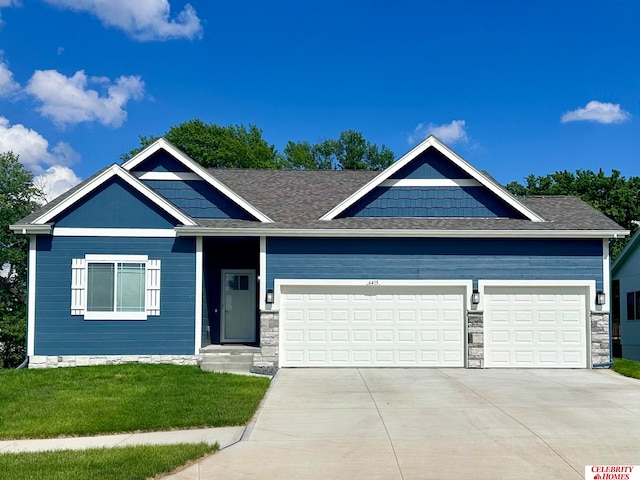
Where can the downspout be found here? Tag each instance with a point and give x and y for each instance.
(24, 363)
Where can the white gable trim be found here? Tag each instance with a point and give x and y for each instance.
(184, 176)
(115, 171)
(433, 142)
(196, 168)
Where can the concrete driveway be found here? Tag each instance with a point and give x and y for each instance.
(435, 424)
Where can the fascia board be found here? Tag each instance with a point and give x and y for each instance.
(393, 233)
(30, 229)
(196, 168)
(432, 141)
(109, 173)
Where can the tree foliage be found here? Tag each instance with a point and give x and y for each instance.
(17, 199)
(234, 146)
(614, 195)
(351, 151)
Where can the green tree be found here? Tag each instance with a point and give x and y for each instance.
(614, 195)
(351, 151)
(17, 199)
(234, 146)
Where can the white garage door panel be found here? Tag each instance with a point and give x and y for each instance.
(535, 327)
(371, 326)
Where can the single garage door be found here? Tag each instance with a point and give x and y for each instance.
(541, 327)
(348, 326)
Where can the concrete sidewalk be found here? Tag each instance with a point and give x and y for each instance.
(223, 436)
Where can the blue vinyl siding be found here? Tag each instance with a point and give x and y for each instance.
(434, 259)
(431, 164)
(458, 202)
(115, 204)
(60, 333)
(161, 161)
(199, 199)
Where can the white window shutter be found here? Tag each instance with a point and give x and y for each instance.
(78, 286)
(153, 287)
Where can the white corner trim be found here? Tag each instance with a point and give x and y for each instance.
(606, 278)
(183, 176)
(433, 142)
(199, 286)
(588, 286)
(283, 283)
(31, 292)
(262, 274)
(114, 232)
(431, 182)
(109, 173)
(196, 168)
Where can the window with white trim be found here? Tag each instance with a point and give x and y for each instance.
(115, 287)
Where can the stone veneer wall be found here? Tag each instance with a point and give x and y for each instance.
(600, 353)
(475, 343)
(266, 362)
(41, 361)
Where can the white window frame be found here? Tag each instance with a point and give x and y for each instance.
(79, 285)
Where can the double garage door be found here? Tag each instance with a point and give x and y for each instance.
(424, 326)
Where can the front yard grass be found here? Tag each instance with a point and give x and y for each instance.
(97, 400)
(130, 463)
(628, 368)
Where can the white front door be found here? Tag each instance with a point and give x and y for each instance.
(538, 327)
(350, 326)
(238, 306)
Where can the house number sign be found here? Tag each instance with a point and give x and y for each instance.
(373, 282)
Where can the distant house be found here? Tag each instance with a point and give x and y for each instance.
(625, 301)
(427, 263)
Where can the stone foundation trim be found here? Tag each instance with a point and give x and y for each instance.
(266, 362)
(600, 346)
(475, 339)
(49, 361)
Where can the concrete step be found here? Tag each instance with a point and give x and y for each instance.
(223, 359)
(231, 367)
(227, 358)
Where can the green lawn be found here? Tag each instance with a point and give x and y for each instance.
(100, 464)
(628, 368)
(122, 398)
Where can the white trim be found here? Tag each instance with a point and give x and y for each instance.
(279, 283)
(184, 176)
(115, 171)
(628, 248)
(91, 257)
(606, 278)
(262, 274)
(433, 142)
(31, 304)
(129, 316)
(113, 232)
(371, 232)
(431, 182)
(195, 167)
(588, 285)
(199, 277)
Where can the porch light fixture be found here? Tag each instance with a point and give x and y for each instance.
(269, 298)
(600, 298)
(475, 297)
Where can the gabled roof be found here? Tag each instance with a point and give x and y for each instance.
(433, 142)
(196, 168)
(62, 203)
(626, 252)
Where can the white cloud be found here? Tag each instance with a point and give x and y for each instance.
(449, 132)
(67, 100)
(143, 20)
(599, 112)
(33, 148)
(9, 3)
(8, 86)
(56, 180)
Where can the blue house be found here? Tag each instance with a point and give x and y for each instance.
(625, 299)
(427, 263)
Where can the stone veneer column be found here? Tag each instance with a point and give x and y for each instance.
(475, 344)
(600, 353)
(266, 362)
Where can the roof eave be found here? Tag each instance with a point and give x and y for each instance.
(31, 229)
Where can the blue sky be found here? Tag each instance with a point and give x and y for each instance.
(514, 87)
